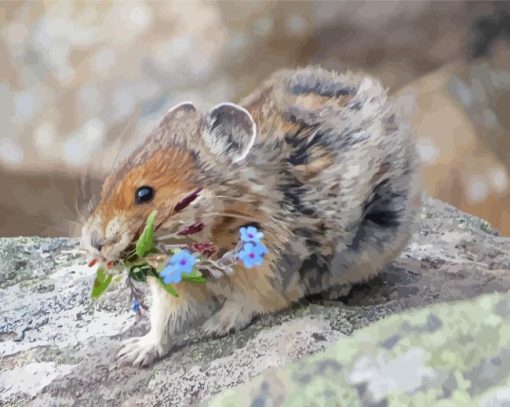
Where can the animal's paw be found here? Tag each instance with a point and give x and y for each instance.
(229, 317)
(140, 352)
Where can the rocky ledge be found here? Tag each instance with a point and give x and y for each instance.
(58, 347)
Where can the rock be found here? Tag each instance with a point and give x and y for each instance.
(58, 346)
(454, 354)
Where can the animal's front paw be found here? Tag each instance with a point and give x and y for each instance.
(139, 352)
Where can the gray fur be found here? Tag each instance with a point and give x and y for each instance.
(365, 223)
(333, 171)
(345, 223)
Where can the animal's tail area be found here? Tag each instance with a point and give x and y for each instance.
(387, 223)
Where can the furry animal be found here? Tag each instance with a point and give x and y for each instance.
(319, 161)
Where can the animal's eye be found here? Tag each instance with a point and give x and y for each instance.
(144, 194)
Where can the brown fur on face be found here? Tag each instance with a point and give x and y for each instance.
(170, 172)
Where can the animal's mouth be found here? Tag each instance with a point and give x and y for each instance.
(183, 237)
(109, 263)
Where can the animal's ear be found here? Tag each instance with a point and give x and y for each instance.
(179, 112)
(181, 125)
(229, 132)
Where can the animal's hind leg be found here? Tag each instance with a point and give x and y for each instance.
(383, 233)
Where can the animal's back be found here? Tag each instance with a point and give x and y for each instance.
(348, 172)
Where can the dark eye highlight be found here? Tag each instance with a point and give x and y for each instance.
(144, 194)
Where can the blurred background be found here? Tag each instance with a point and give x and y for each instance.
(75, 77)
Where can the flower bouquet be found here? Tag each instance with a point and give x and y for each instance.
(172, 264)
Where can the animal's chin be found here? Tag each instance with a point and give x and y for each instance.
(107, 259)
(114, 255)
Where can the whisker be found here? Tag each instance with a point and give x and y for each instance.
(48, 228)
(122, 139)
(86, 196)
(208, 215)
(235, 199)
(172, 236)
(89, 184)
(227, 215)
(59, 219)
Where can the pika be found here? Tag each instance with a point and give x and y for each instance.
(319, 161)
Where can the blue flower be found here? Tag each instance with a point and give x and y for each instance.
(179, 264)
(135, 305)
(252, 254)
(251, 234)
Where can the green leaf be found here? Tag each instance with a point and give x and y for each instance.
(131, 264)
(168, 288)
(140, 271)
(137, 274)
(145, 242)
(194, 277)
(101, 282)
(131, 258)
(194, 273)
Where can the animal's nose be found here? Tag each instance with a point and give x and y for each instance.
(96, 241)
(96, 244)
